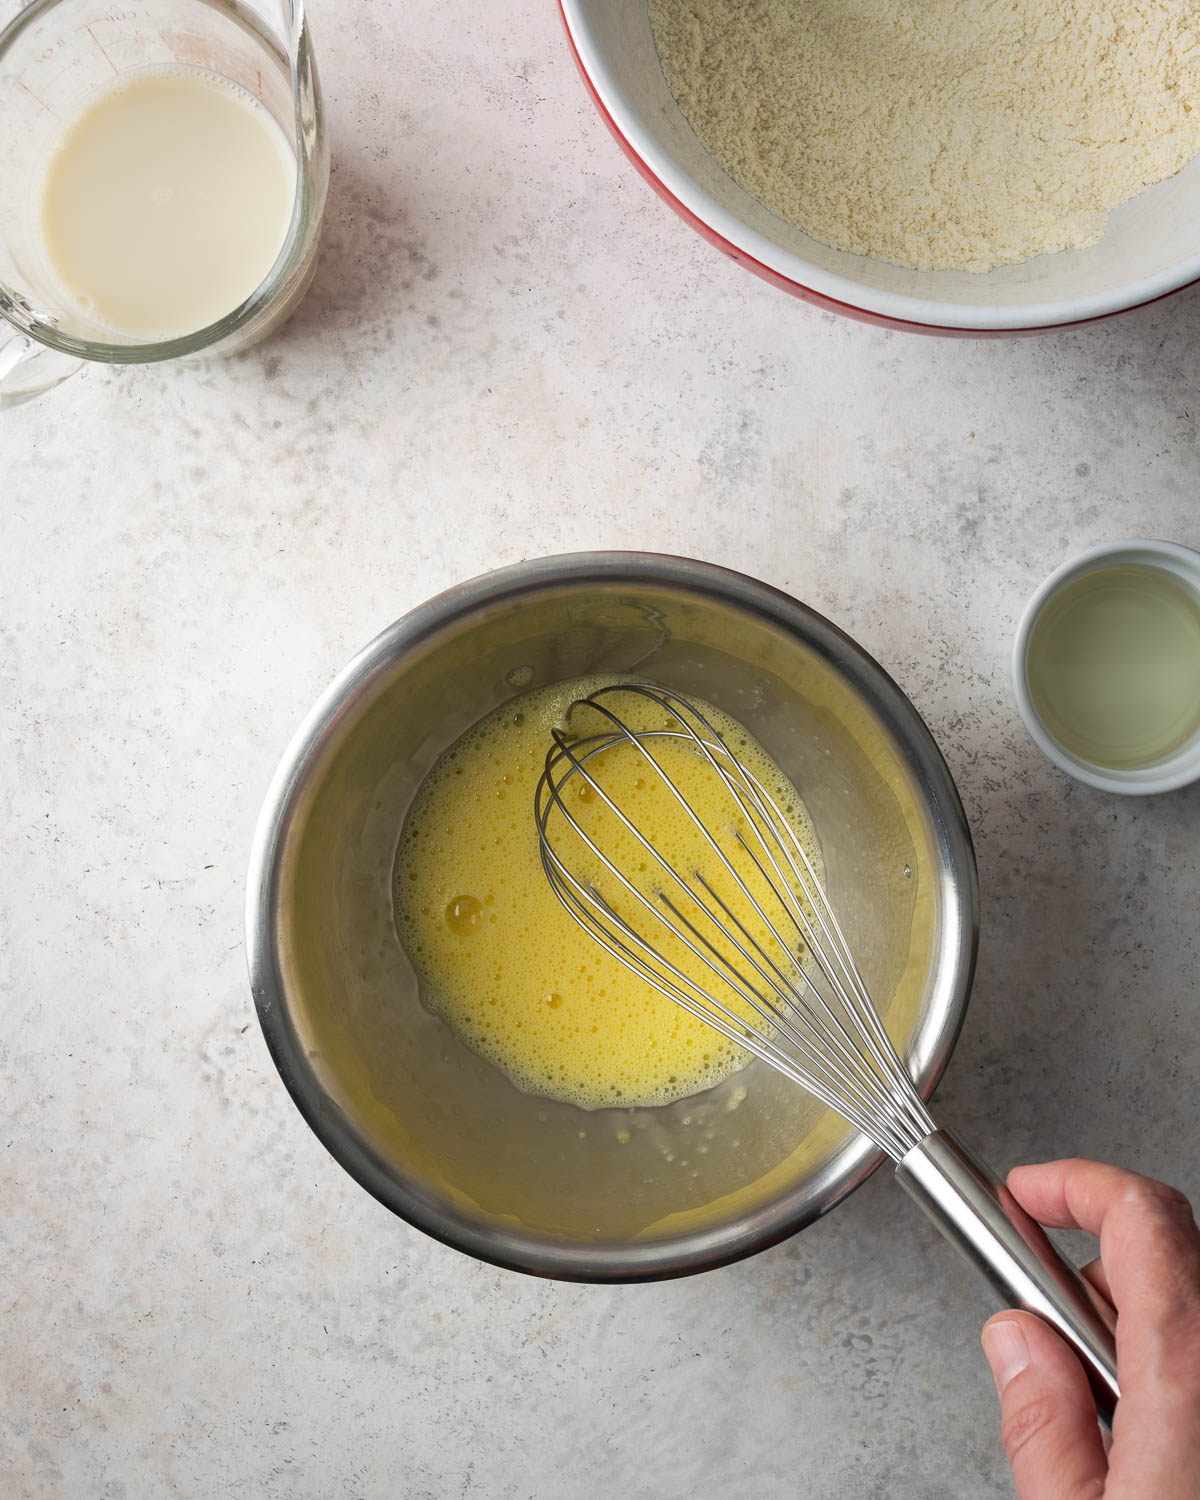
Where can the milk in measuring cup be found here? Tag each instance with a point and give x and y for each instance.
(164, 204)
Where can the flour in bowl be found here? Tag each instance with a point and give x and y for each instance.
(939, 134)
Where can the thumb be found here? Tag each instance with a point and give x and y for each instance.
(1047, 1415)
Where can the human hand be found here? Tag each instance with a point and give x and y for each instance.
(1149, 1270)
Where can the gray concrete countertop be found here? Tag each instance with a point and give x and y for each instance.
(513, 348)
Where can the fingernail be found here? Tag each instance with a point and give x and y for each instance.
(1006, 1350)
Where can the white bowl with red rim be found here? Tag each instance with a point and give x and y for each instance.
(1150, 248)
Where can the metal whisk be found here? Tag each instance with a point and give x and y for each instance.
(771, 970)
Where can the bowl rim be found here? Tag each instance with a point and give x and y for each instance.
(1179, 769)
(792, 273)
(542, 1255)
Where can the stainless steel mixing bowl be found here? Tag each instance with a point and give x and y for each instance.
(442, 1137)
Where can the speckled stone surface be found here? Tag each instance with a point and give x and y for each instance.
(512, 348)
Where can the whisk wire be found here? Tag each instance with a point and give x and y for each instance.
(835, 1045)
(639, 738)
(783, 1019)
(771, 826)
(587, 906)
(761, 1004)
(798, 996)
(834, 958)
(713, 1012)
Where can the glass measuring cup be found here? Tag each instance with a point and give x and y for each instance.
(55, 55)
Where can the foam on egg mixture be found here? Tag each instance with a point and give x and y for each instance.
(497, 955)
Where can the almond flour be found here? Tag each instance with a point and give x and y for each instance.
(939, 134)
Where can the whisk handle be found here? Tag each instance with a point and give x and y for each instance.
(978, 1215)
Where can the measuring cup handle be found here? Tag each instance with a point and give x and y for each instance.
(28, 368)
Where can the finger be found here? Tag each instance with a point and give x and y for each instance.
(1047, 1414)
(1095, 1273)
(1150, 1248)
(1077, 1194)
(1149, 1242)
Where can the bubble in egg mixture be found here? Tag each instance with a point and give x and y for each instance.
(497, 955)
(464, 914)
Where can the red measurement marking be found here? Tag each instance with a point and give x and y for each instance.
(48, 83)
(35, 98)
(100, 44)
(258, 72)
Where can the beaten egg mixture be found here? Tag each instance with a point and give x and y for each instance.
(502, 961)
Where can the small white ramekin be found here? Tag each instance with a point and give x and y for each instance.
(1179, 769)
